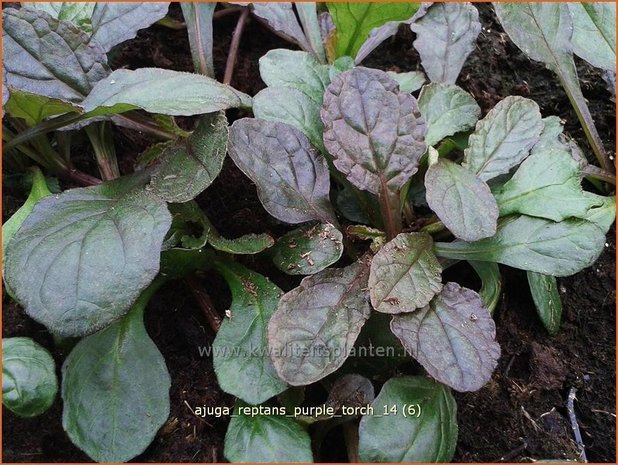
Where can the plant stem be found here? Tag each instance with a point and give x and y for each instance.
(390, 209)
(205, 303)
(227, 11)
(594, 172)
(100, 135)
(231, 58)
(142, 124)
(79, 177)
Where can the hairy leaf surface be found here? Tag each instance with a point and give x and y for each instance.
(115, 389)
(534, 244)
(187, 168)
(308, 249)
(594, 32)
(163, 91)
(408, 82)
(399, 438)
(52, 58)
(461, 200)
(503, 139)
(447, 109)
(374, 132)
(445, 37)
(29, 383)
(315, 326)
(241, 359)
(81, 258)
(405, 274)
(291, 176)
(454, 338)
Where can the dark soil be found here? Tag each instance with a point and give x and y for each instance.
(520, 415)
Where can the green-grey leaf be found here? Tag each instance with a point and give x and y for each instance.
(292, 107)
(295, 70)
(292, 178)
(503, 139)
(534, 244)
(29, 383)
(603, 215)
(445, 37)
(162, 91)
(281, 17)
(266, 438)
(461, 200)
(350, 207)
(491, 283)
(115, 22)
(399, 438)
(308, 15)
(544, 290)
(546, 185)
(543, 31)
(408, 82)
(447, 109)
(315, 326)
(405, 274)
(249, 244)
(308, 249)
(33, 108)
(115, 389)
(354, 21)
(454, 338)
(374, 132)
(52, 58)
(594, 32)
(81, 258)
(551, 137)
(198, 18)
(187, 168)
(240, 349)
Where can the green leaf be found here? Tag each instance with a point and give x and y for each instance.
(29, 383)
(38, 191)
(404, 274)
(308, 249)
(447, 109)
(403, 437)
(198, 18)
(543, 31)
(350, 207)
(78, 13)
(544, 290)
(594, 32)
(47, 57)
(162, 91)
(354, 21)
(292, 178)
(551, 137)
(445, 36)
(461, 200)
(314, 328)
(81, 258)
(249, 244)
(113, 23)
(115, 389)
(308, 15)
(546, 185)
(266, 438)
(503, 139)
(491, 283)
(281, 17)
(534, 244)
(240, 349)
(295, 70)
(33, 108)
(292, 107)
(188, 167)
(454, 338)
(374, 132)
(408, 82)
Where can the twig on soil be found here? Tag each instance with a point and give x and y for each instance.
(205, 303)
(575, 426)
(231, 57)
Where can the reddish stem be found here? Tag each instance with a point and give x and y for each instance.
(205, 303)
(231, 57)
